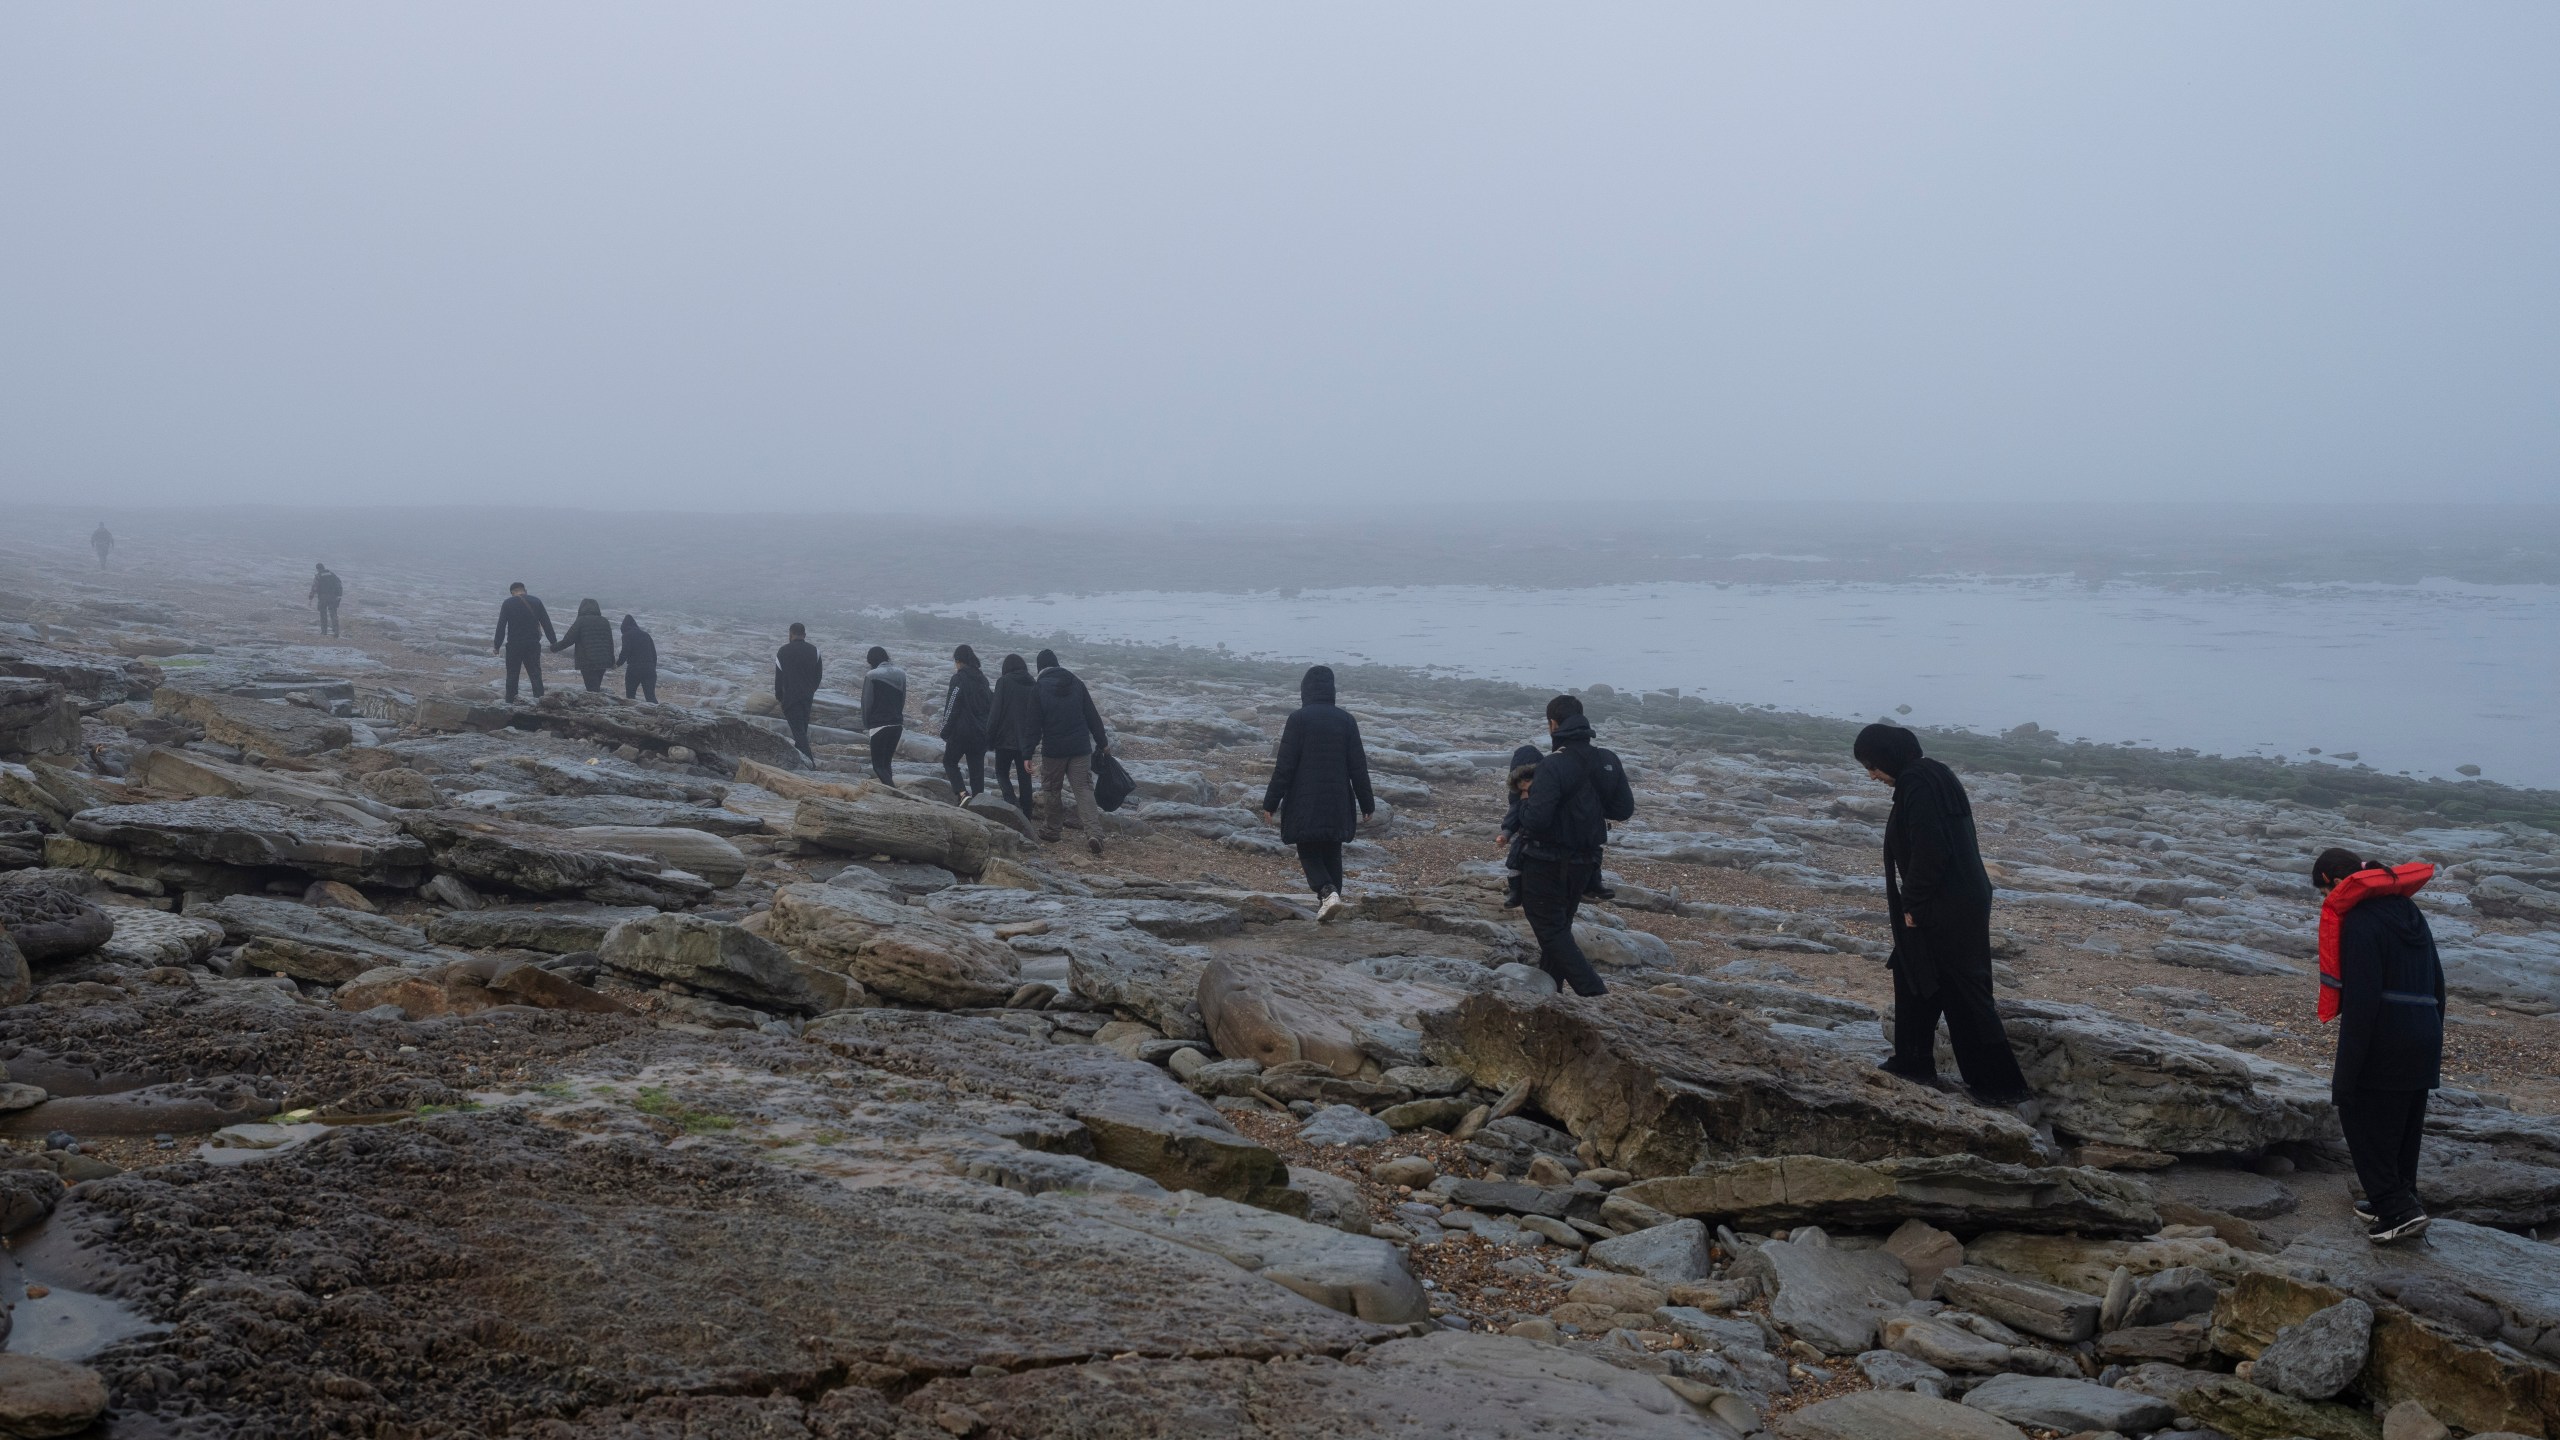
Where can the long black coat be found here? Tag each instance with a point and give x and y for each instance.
(797, 670)
(966, 702)
(2390, 1000)
(639, 653)
(1934, 884)
(1013, 721)
(1321, 771)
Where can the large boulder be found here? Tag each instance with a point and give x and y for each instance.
(720, 741)
(50, 792)
(887, 821)
(2490, 1166)
(1958, 1191)
(104, 678)
(2104, 1078)
(258, 835)
(470, 986)
(712, 956)
(151, 938)
(36, 718)
(898, 950)
(330, 946)
(262, 727)
(1660, 1084)
(1278, 1008)
(533, 860)
(1830, 1298)
(184, 772)
(51, 924)
(697, 851)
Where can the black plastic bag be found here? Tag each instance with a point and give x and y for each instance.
(1111, 782)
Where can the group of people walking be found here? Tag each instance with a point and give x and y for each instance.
(524, 630)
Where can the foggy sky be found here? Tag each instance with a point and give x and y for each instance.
(932, 257)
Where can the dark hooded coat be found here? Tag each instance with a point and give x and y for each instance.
(1320, 772)
(1069, 725)
(2390, 999)
(639, 651)
(1577, 790)
(967, 701)
(1935, 887)
(1013, 718)
(591, 637)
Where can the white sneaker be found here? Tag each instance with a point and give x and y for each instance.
(1331, 906)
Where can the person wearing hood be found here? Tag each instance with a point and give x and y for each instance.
(2382, 981)
(1319, 773)
(523, 626)
(589, 639)
(1071, 734)
(326, 590)
(1938, 898)
(1524, 768)
(1013, 731)
(1577, 789)
(639, 662)
(797, 669)
(884, 710)
(966, 701)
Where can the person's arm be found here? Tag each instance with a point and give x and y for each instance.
(863, 700)
(1359, 759)
(564, 642)
(543, 614)
(1092, 719)
(2359, 1001)
(498, 641)
(1284, 762)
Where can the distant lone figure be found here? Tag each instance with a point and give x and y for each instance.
(1013, 731)
(102, 540)
(2381, 980)
(523, 628)
(967, 701)
(796, 673)
(884, 710)
(1319, 774)
(1070, 734)
(1564, 825)
(1938, 897)
(639, 662)
(326, 589)
(590, 641)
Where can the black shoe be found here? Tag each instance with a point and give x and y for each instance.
(2406, 1228)
(2006, 1099)
(2365, 1215)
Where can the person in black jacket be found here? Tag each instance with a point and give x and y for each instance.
(1319, 773)
(326, 590)
(1013, 730)
(966, 700)
(884, 710)
(1564, 823)
(523, 628)
(796, 673)
(590, 642)
(1071, 734)
(1938, 898)
(1524, 769)
(639, 662)
(2390, 1008)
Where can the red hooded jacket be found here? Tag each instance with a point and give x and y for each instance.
(2346, 895)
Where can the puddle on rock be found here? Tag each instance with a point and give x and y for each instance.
(67, 1322)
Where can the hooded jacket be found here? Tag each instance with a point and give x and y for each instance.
(326, 587)
(796, 673)
(1069, 725)
(1574, 794)
(523, 626)
(1321, 771)
(1013, 719)
(1524, 767)
(2381, 979)
(591, 636)
(884, 696)
(639, 651)
(966, 701)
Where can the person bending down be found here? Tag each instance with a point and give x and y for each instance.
(2381, 980)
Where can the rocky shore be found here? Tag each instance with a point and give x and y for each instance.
(385, 1059)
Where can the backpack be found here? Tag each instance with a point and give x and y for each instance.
(1111, 782)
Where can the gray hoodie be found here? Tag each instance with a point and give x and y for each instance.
(884, 696)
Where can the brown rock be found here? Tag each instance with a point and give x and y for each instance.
(1283, 1008)
(42, 1398)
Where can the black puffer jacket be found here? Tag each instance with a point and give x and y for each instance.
(1013, 722)
(591, 636)
(1320, 771)
(2390, 999)
(1069, 725)
(1578, 790)
(966, 701)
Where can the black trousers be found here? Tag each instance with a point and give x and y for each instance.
(1963, 999)
(797, 717)
(1551, 893)
(1322, 860)
(951, 758)
(884, 748)
(594, 679)
(328, 617)
(1013, 777)
(2382, 1128)
(527, 663)
(641, 683)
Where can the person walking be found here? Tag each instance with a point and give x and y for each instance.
(1071, 734)
(884, 710)
(1577, 789)
(590, 643)
(2382, 981)
(1013, 731)
(326, 589)
(523, 627)
(796, 673)
(1319, 773)
(967, 700)
(102, 540)
(639, 662)
(1938, 898)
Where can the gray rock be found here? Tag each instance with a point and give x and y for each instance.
(2101, 1077)
(1893, 1415)
(2504, 897)
(1344, 1125)
(151, 938)
(2029, 1305)
(902, 951)
(2170, 1295)
(1887, 1370)
(536, 860)
(256, 835)
(1355, 1274)
(2316, 1359)
(2070, 1406)
(712, 956)
(330, 946)
(1674, 1254)
(1831, 1299)
(1958, 1190)
(559, 932)
(697, 852)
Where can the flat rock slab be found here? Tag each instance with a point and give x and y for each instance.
(255, 834)
(559, 932)
(902, 951)
(374, 939)
(1164, 919)
(697, 851)
(1659, 1085)
(2022, 1304)
(1954, 1190)
(1893, 1415)
(1355, 1274)
(1831, 1299)
(1673, 1254)
(568, 812)
(1281, 1008)
(265, 727)
(534, 860)
(883, 821)
(2070, 1406)
(549, 1274)
(2102, 1077)
(720, 741)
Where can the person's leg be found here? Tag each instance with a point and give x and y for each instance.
(515, 669)
(1915, 1031)
(533, 672)
(1007, 762)
(1319, 873)
(884, 748)
(333, 618)
(797, 717)
(2370, 1121)
(594, 679)
(649, 689)
(951, 771)
(1548, 897)
(1053, 779)
(630, 683)
(1080, 774)
(1983, 1056)
(2413, 1125)
(977, 772)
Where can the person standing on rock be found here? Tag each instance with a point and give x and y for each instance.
(966, 701)
(796, 673)
(523, 629)
(1013, 731)
(1938, 898)
(102, 540)
(2381, 980)
(590, 643)
(1564, 825)
(884, 710)
(326, 589)
(1071, 734)
(1319, 773)
(639, 662)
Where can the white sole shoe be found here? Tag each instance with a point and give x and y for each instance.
(2413, 1226)
(1331, 907)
